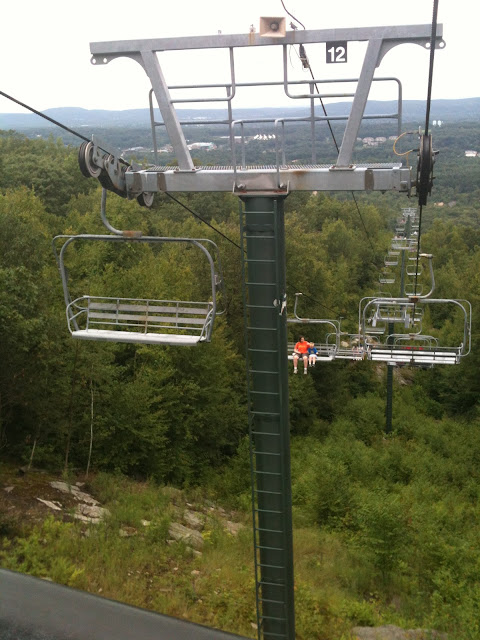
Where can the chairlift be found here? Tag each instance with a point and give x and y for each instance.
(413, 288)
(391, 261)
(428, 352)
(384, 311)
(325, 350)
(413, 270)
(351, 347)
(404, 244)
(426, 341)
(386, 277)
(389, 311)
(141, 320)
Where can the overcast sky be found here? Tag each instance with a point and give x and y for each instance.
(45, 55)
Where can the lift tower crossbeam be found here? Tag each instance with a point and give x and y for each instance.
(343, 174)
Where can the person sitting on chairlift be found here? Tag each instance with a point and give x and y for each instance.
(312, 354)
(300, 351)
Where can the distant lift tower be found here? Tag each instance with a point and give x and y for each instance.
(262, 191)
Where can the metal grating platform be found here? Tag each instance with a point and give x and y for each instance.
(272, 167)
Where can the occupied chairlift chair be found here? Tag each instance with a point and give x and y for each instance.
(326, 351)
(140, 320)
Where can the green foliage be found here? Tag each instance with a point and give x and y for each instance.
(395, 518)
(44, 553)
(46, 167)
(380, 521)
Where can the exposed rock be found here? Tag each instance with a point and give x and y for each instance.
(85, 497)
(8, 489)
(63, 486)
(146, 523)
(391, 632)
(233, 527)
(127, 532)
(53, 504)
(193, 520)
(74, 491)
(184, 534)
(90, 513)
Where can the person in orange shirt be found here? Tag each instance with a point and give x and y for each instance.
(301, 351)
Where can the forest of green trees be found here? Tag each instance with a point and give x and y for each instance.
(399, 513)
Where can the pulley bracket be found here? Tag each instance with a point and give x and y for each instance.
(97, 160)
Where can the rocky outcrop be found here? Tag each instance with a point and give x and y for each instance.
(87, 510)
(190, 537)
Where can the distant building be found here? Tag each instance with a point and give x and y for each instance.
(469, 153)
(202, 145)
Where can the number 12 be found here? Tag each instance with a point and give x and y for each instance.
(336, 52)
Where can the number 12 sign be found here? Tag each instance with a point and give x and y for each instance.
(336, 52)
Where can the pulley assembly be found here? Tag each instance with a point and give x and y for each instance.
(109, 169)
(425, 162)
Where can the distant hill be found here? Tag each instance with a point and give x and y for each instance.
(76, 118)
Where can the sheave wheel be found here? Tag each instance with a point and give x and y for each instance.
(426, 160)
(145, 199)
(87, 167)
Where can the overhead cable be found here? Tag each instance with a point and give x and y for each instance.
(42, 115)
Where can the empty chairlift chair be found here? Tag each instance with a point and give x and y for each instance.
(412, 347)
(391, 259)
(350, 348)
(386, 277)
(141, 320)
